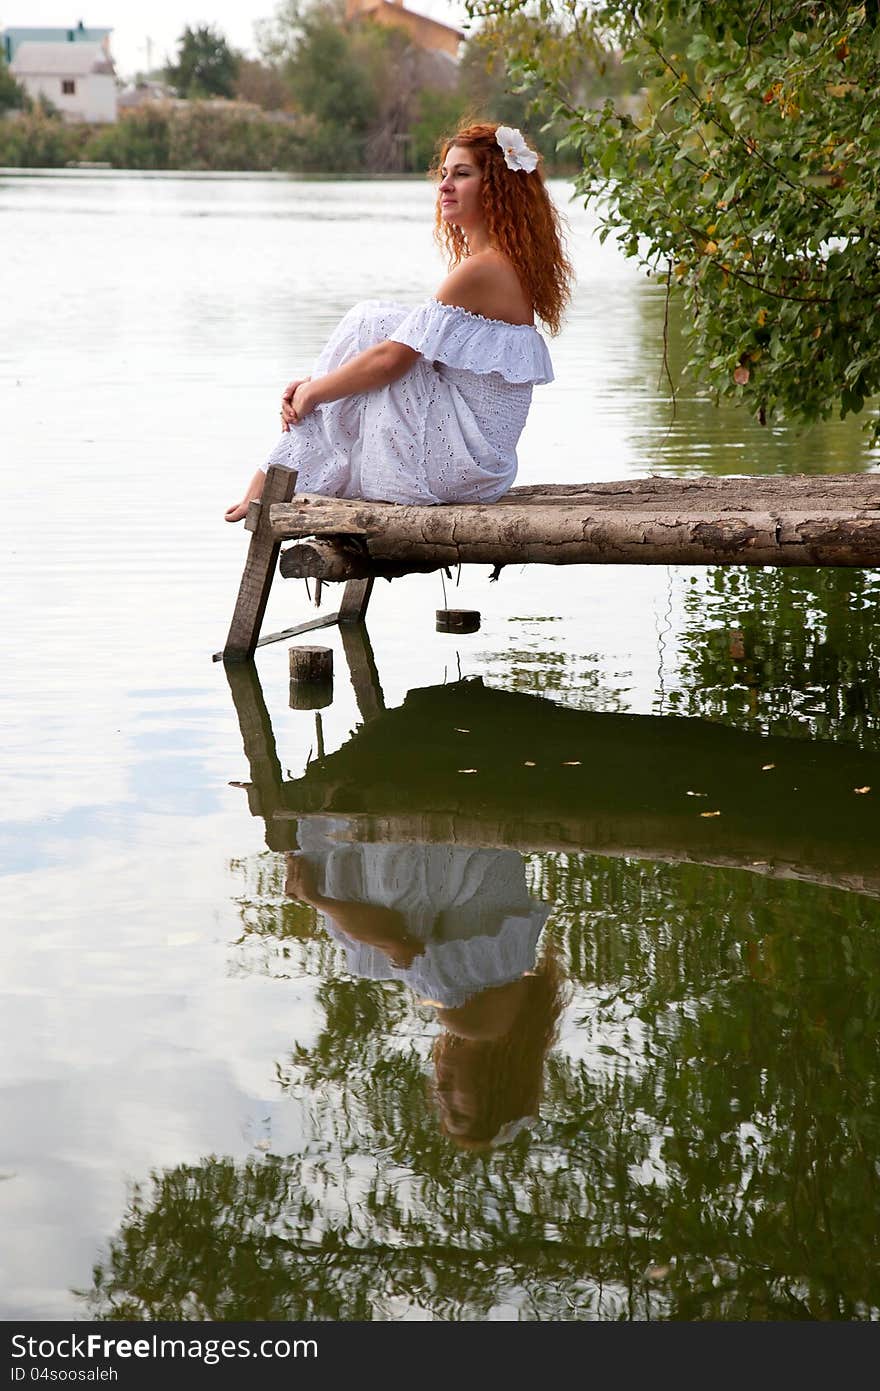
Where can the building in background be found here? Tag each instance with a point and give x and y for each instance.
(76, 76)
(11, 38)
(425, 33)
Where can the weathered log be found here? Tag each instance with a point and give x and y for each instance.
(576, 834)
(571, 533)
(824, 491)
(335, 559)
(325, 560)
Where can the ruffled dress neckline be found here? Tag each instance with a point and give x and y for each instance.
(481, 318)
(460, 339)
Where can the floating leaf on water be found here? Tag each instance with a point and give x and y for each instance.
(710, 813)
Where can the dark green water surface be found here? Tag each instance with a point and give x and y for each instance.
(703, 1142)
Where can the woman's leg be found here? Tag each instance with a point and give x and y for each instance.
(254, 489)
(325, 447)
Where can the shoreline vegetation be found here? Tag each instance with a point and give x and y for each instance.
(327, 96)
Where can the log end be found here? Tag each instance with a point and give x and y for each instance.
(458, 620)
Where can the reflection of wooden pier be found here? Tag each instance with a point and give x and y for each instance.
(500, 768)
(827, 520)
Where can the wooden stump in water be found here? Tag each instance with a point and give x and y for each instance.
(311, 663)
(458, 620)
(310, 695)
(311, 677)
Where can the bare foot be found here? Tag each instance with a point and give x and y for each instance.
(254, 490)
(300, 882)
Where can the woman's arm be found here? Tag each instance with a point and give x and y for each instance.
(374, 367)
(372, 923)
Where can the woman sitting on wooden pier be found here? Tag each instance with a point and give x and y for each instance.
(427, 405)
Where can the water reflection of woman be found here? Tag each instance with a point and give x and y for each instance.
(458, 925)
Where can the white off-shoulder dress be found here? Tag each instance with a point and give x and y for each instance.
(470, 908)
(445, 431)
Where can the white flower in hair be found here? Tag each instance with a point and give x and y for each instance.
(517, 154)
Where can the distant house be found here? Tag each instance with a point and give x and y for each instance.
(12, 38)
(425, 33)
(75, 76)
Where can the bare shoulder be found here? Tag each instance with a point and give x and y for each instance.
(487, 284)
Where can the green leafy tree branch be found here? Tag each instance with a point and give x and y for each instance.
(747, 176)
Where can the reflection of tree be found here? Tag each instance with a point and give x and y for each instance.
(806, 659)
(544, 671)
(707, 1147)
(717, 438)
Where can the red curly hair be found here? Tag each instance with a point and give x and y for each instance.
(520, 219)
(503, 1077)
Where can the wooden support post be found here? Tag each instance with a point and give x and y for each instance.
(355, 597)
(319, 734)
(363, 671)
(259, 569)
(264, 791)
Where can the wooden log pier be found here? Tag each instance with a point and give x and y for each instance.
(762, 520)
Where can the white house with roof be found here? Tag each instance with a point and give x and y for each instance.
(15, 35)
(77, 77)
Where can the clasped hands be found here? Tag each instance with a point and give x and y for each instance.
(297, 401)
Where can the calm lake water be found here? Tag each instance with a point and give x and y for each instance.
(605, 1045)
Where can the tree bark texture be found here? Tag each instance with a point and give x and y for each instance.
(827, 521)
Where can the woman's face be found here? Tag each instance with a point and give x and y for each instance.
(459, 190)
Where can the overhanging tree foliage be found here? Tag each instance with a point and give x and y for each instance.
(748, 176)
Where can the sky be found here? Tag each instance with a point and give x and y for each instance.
(144, 35)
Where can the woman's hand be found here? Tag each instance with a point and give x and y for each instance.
(300, 882)
(304, 401)
(289, 415)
